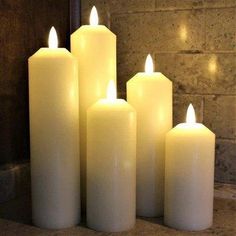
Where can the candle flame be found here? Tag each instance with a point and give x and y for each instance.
(190, 118)
(94, 16)
(111, 90)
(149, 64)
(52, 39)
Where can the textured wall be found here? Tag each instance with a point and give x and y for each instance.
(25, 25)
(24, 29)
(194, 44)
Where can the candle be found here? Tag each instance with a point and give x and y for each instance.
(111, 164)
(189, 175)
(54, 136)
(94, 46)
(150, 93)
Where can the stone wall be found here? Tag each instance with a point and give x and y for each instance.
(194, 44)
(25, 25)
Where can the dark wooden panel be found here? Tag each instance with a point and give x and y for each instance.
(24, 29)
(75, 16)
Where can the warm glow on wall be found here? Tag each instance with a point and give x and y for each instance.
(183, 32)
(212, 65)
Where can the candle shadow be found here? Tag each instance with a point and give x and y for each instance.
(156, 220)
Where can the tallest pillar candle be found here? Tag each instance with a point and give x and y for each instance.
(94, 46)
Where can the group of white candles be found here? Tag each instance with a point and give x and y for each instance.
(132, 162)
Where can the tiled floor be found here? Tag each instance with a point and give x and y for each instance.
(224, 222)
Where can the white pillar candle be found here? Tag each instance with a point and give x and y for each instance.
(150, 93)
(54, 136)
(111, 164)
(94, 46)
(189, 175)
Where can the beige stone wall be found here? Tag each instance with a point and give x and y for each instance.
(194, 44)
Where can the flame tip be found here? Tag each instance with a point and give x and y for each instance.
(111, 90)
(52, 39)
(149, 68)
(94, 16)
(190, 117)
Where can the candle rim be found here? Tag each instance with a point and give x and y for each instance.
(142, 77)
(189, 128)
(90, 30)
(52, 53)
(186, 124)
(114, 105)
(150, 74)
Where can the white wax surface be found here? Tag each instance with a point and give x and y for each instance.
(189, 177)
(151, 96)
(95, 50)
(54, 138)
(111, 166)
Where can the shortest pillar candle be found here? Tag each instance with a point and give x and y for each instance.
(189, 175)
(111, 164)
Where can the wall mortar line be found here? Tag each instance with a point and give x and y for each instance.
(169, 10)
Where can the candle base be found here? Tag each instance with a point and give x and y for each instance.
(46, 224)
(112, 228)
(187, 226)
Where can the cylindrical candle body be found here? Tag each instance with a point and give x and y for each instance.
(54, 138)
(111, 166)
(151, 96)
(95, 49)
(189, 177)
